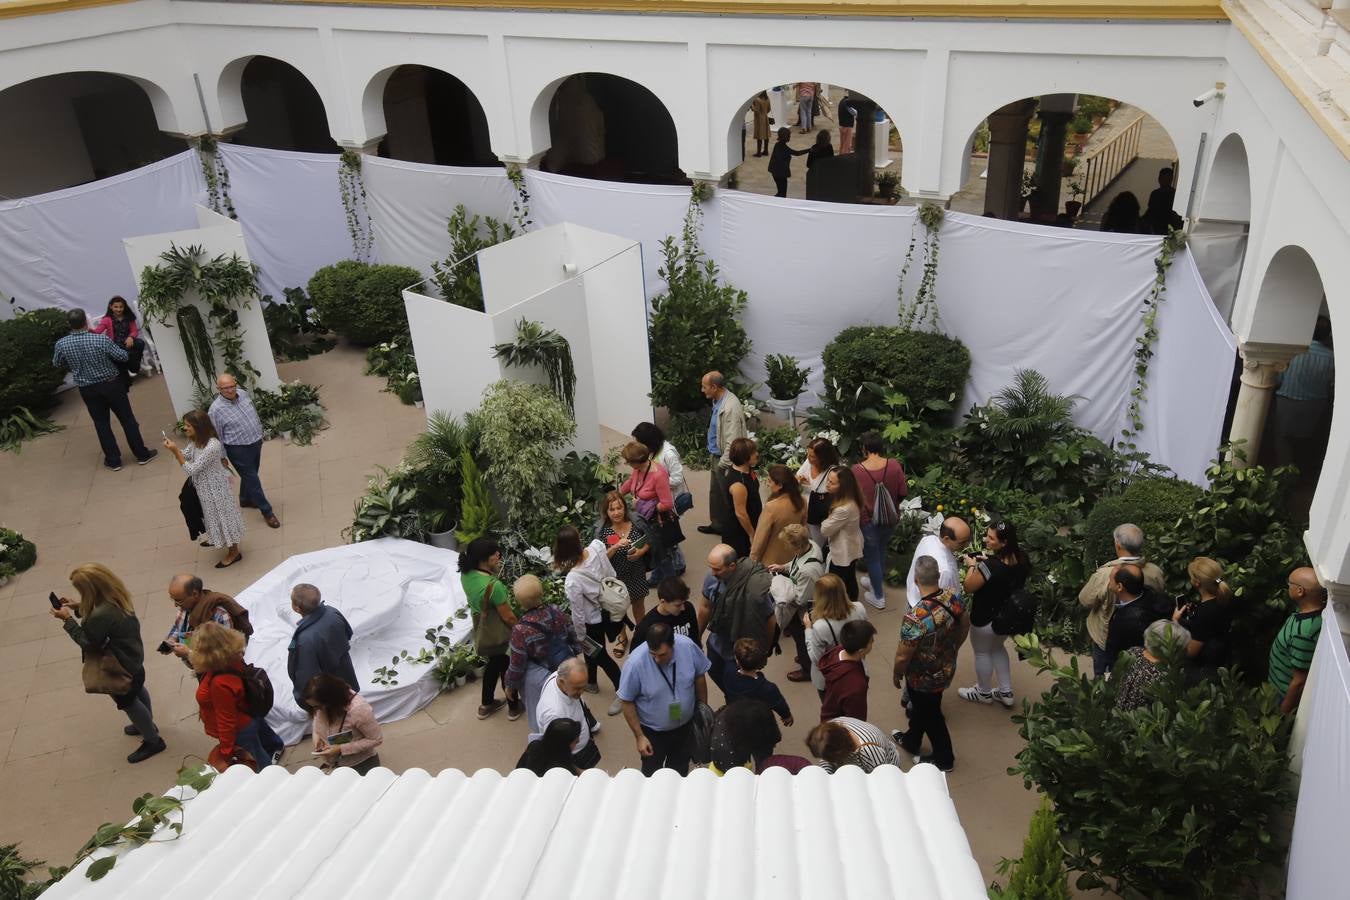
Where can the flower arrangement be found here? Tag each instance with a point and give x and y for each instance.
(16, 554)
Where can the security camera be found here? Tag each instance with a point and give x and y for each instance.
(1211, 94)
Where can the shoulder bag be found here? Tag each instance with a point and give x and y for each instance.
(884, 511)
(818, 501)
(103, 674)
(614, 598)
(490, 634)
(1017, 615)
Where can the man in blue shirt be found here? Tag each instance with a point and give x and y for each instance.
(1303, 401)
(97, 364)
(660, 688)
(726, 424)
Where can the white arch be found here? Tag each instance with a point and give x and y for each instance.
(540, 136)
(1289, 296)
(230, 98)
(372, 99)
(1228, 191)
(166, 115)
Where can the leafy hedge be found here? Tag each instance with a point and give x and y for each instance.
(922, 365)
(363, 302)
(1153, 503)
(27, 376)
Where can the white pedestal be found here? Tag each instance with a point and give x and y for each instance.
(881, 141)
(778, 109)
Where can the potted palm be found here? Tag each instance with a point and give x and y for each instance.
(887, 183)
(786, 380)
(435, 458)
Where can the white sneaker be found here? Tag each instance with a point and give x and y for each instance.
(1004, 697)
(595, 729)
(865, 582)
(874, 601)
(975, 695)
(616, 707)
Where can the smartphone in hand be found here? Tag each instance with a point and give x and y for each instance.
(164, 648)
(54, 600)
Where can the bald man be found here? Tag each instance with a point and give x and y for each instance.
(952, 536)
(1291, 654)
(727, 424)
(241, 432)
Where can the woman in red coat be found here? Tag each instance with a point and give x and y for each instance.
(217, 655)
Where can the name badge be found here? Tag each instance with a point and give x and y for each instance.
(676, 711)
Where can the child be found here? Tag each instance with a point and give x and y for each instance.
(744, 680)
(845, 677)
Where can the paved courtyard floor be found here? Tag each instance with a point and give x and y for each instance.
(63, 770)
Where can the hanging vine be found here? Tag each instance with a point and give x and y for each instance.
(922, 311)
(217, 177)
(225, 283)
(520, 206)
(1148, 336)
(352, 186)
(536, 345)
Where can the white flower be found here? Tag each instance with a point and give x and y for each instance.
(830, 435)
(1051, 578)
(579, 504)
(541, 555)
(933, 524)
(561, 509)
(412, 376)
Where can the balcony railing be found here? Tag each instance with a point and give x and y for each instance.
(1104, 163)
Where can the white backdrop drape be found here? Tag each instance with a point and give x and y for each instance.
(1062, 301)
(64, 249)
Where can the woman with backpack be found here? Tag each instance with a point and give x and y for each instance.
(991, 579)
(883, 486)
(585, 571)
(346, 732)
(217, 655)
(831, 610)
(540, 640)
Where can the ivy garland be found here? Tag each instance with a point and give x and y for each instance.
(352, 185)
(217, 177)
(701, 192)
(225, 283)
(922, 311)
(1143, 351)
(520, 206)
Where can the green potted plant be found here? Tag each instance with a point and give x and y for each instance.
(1077, 192)
(887, 184)
(786, 380)
(435, 460)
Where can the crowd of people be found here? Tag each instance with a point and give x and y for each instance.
(785, 567)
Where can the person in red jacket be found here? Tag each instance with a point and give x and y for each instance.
(845, 675)
(217, 655)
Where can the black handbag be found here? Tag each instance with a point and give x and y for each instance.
(818, 502)
(669, 530)
(1017, 615)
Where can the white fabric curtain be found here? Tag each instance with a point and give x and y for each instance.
(1219, 248)
(291, 210)
(1316, 870)
(64, 248)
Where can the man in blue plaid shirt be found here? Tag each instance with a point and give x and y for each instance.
(97, 364)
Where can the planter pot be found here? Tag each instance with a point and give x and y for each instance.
(786, 409)
(886, 192)
(446, 540)
(461, 681)
(418, 403)
(285, 435)
(479, 671)
(4, 580)
(1072, 208)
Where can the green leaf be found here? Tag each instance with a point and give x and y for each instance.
(100, 867)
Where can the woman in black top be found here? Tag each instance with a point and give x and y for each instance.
(780, 161)
(742, 496)
(991, 579)
(821, 149)
(1207, 619)
(554, 748)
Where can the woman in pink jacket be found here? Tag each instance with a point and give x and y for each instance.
(649, 484)
(119, 324)
(346, 732)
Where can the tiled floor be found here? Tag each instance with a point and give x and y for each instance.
(62, 754)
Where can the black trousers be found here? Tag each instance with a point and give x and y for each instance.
(781, 182)
(849, 576)
(496, 671)
(719, 665)
(670, 749)
(601, 632)
(927, 719)
(110, 397)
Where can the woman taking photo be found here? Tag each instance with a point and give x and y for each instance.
(803, 570)
(877, 471)
(203, 459)
(342, 715)
(991, 579)
(842, 528)
(584, 570)
(119, 324)
(785, 507)
(831, 610)
(217, 656)
(664, 452)
(107, 624)
(490, 602)
(821, 457)
(1207, 619)
(742, 496)
(627, 545)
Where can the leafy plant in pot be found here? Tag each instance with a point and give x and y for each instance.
(435, 460)
(887, 184)
(786, 380)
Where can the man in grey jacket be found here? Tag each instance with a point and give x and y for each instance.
(727, 424)
(321, 644)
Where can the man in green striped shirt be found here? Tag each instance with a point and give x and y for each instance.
(1292, 652)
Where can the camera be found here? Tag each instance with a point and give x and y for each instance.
(1211, 94)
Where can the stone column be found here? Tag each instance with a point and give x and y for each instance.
(1261, 368)
(1007, 158)
(1056, 111)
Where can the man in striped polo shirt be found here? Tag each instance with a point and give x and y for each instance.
(1291, 654)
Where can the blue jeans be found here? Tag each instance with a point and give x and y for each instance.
(875, 540)
(1100, 664)
(260, 741)
(246, 458)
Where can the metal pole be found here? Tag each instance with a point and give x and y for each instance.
(201, 99)
(1195, 182)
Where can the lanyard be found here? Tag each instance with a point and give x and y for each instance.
(670, 682)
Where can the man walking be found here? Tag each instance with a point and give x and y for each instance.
(1291, 654)
(736, 604)
(661, 687)
(97, 365)
(321, 644)
(560, 698)
(925, 663)
(241, 432)
(1100, 599)
(953, 535)
(727, 424)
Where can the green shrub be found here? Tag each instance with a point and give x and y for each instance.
(520, 426)
(1152, 502)
(1184, 797)
(379, 314)
(1040, 873)
(695, 328)
(921, 365)
(27, 376)
(688, 433)
(332, 289)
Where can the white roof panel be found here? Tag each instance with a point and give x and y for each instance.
(769, 837)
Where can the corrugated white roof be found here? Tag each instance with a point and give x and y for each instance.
(770, 837)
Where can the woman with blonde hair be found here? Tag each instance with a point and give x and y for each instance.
(217, 655)
(832, 608)
(109, 626)
(1208, 619)
(803, 570)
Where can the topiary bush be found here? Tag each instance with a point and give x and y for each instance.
(333, 292)
(1152, 502)
(27, 376)
(520, 425)
(379, 312)
(922, 365)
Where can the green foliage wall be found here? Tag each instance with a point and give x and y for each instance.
(27, 376)
(922, 365)
(363, 302)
